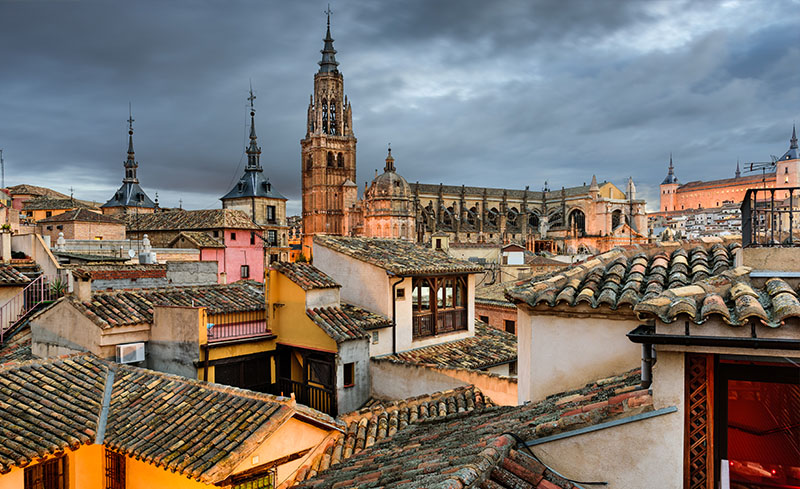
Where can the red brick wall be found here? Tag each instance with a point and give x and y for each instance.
(497, 315)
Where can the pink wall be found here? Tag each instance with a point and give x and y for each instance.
(237, 252)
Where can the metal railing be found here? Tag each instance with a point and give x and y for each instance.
(319, 398)
(21, 305)
(224, 327)
(771, 217)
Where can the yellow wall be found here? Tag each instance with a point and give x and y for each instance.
(290, 322)
(142, 475)
(235, 350)
(611, 191)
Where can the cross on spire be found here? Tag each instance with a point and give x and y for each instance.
(328, 12)
(252, 97)
(130, 117)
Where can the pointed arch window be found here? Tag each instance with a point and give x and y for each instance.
(324, 116)
(332, 117)
(577, 221)
(309, 163)
(340, 160)
(330, 158)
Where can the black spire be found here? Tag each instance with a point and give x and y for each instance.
(253, 151)
(130, 163)
(671, 178)
(738, 173)
(328, 63)
(793, 141)
(389, 160)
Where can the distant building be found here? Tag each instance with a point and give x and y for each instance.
(42, 207)
(130, 198)
(81, 223)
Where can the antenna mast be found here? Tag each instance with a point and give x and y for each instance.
(2, 170)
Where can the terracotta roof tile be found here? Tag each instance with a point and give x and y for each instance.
(625, 278)
(194, 428)
(125, 307)
(306, 275)
(398, 256)
(495, 294)
(730, 296)
(488, 347)
(181, 220)
(46, 203)
(16, 346)
(11, 276)
(82, 215)
(461, 449)
(198, 239)
(347, 322)
(112, 271)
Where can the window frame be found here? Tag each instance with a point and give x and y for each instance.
(34, 475)
(114, 469)
(244, 271)
(349, 370)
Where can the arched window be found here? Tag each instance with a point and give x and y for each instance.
(309, 163)
(577, 221)
(616, 218)
(324, 116)
(330, 158)
(340, 160)
(333, 117)
(533, 221)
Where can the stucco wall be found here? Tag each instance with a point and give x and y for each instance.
(561, 353)
(84, 466)
(400, 381)
(62, 330)
(322, 298)
(191, 272)
(357, 352)
(175, 338)
(353, 274)
(290, 321)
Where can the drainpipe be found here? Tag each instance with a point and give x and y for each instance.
(394, 313)
(648, 360)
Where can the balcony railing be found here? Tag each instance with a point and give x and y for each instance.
(319, 398)
(242, 325)
(771, 217)
(446, 322)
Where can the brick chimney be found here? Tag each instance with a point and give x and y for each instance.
(82, 285)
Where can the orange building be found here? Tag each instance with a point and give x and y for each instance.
(676, 197)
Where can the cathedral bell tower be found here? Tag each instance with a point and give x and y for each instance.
(328, 151)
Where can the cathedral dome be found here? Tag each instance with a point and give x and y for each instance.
(389, 184)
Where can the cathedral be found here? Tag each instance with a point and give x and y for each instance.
(587, 218)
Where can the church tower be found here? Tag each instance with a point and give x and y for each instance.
(669, 187)
(328, 151)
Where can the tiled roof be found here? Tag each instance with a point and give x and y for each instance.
(193, 428)
(619, 277)
(306, 275)
(187, 220)
(460, 451)
(729, 296)
(46, 203)
(111, 271)
(347, 322)
(383, 419)
(495, 294)
(11, 276)
(125, 307)
(398, 256)
(427, 188)
(17, 347)
(82, 215)
(199, 239)
(34, 190)
(489, 347)
(90, 257)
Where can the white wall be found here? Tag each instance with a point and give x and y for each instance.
(352, 398)
(322, 298)
(363, 284)
(556, 354)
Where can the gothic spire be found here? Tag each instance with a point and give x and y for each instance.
(130, 163)
(253, 151)
(738, 172)
(389, 160)
(793, 141)
(671, 178)
(328, 63)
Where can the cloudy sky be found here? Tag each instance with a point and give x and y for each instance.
(502, 93)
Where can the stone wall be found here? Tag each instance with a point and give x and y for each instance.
(399, 381)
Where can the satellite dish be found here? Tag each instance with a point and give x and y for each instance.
(131, 253)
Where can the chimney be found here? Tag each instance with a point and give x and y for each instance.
(82, 285)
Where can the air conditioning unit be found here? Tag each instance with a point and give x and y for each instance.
(130, 353)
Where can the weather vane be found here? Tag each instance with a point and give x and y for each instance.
(130, 117)
(328, 12)
(251, 97)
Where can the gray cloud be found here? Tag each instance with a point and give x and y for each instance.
(503, 94)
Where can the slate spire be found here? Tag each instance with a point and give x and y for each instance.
(328, 63)
(793, 141)
(253, 151)
(738, 172)
(671, 178)
(130, 163)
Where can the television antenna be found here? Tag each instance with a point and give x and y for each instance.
(763, 167)
(2, 170)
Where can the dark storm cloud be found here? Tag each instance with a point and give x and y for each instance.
(507, 93)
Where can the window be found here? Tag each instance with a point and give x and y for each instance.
(252, 238)
(274, 257)
(511, 326)
(233, 236)
(309, 163)
(438, 244)
(401, 293)
(330, 159)
(349, 374)
(340, 160)
(261, 481)
(324, 116)
(115, 470)
(49, 228)
(319, 372)
(438, 305)
(271, 214)
(272, 237)
(512, 368)
(51, 474)
(248, 372)
(375, 337)
(484, 319)
(60, 226)
(245, 271)
(216, 234)
(48, 213)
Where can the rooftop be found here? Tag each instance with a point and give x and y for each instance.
(50, 405)
(11, 276)
(198, 239)
(487, 348)
(400, 257)
(306, 275)
(182, 220)
(126, 307)
(25, 189)
(468, 449)
(47, 203)
(347, 322)
(82, 215)
(427, 188)
(495, 294)
(625, 277)
(111, 271)
(16, 346)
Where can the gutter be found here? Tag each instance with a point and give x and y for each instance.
(103, 421)
(645, 334)
(394, 312)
